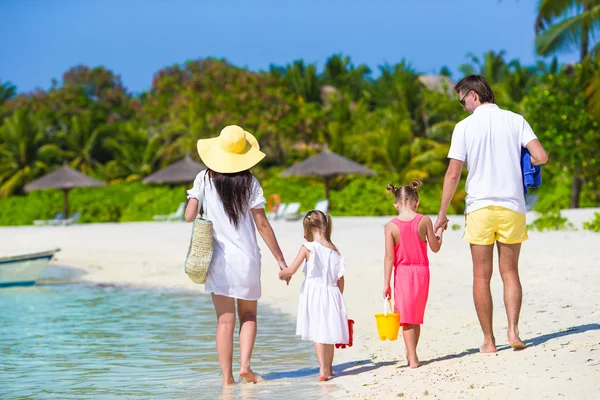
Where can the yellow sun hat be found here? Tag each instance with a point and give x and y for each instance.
(234, 150)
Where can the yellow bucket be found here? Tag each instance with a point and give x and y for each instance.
(388, 323)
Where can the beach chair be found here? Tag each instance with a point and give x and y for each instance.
(323, 206)
(292, 212)
(41, 222)
(530, 201)
(280, 211)
(277, 214)
(177, 215)
(72, 220)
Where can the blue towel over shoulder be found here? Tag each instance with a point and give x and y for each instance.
(532, 175)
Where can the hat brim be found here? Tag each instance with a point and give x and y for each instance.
(218, 160)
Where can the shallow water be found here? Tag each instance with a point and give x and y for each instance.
(82, 341)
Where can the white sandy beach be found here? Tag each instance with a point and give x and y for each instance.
(560, 318)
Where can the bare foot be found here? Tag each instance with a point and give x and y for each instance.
(413, 363)
(517, 343)
(325, 375)
(228, 381)
(248, 375)
(488, 348)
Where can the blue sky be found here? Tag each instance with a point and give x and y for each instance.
(40, 39)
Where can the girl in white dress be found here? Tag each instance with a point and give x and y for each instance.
(322, 316)
(235, 204)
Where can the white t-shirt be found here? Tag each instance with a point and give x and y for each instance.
(489, 142)
(235, 266)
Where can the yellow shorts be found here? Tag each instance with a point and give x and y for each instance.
(494, 223)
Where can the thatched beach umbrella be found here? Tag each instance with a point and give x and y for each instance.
(327, 165)
(183, 171)
(64, 178)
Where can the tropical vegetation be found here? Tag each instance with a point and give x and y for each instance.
(394, 120)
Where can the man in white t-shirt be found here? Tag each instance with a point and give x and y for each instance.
(489, 144)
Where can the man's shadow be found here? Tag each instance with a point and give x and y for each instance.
(345, 369)
(561, 333)
(348, 368)
(532, 342)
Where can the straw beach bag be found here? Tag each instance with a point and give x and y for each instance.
(200, 251)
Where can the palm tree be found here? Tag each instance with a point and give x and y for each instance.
(136, 154)
(519, 80)
(340, 73)
(493, 67)
(399, 87)
(24, 155)
(81, 140)
(7, 91)
(563, 25)
(566, 24)
(302, 80)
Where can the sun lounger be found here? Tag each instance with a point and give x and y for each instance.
(177, 215)
(58, 217)
(292, 212)
(530, 200)
(72, 220)
(277, 214)
(322, 205)
(66, 221)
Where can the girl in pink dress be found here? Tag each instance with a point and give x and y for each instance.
(406, 238)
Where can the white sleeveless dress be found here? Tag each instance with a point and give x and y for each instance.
(235, 266)
(322, 315)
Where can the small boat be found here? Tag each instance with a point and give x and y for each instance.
(24, 269)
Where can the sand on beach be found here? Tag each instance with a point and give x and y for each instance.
(560, 319)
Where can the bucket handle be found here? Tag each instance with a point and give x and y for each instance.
(387, 304)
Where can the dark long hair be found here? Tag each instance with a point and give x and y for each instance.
(235, 191)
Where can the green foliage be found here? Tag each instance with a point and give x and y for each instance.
(593, 224)
(23, 151)
(556, 110)
(565, 25)
(552, 221)
(397, 124)
(126, 202)
(119, 202)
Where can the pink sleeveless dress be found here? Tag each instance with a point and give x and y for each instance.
(411, 272)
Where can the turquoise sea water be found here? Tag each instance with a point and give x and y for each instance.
(78, 341)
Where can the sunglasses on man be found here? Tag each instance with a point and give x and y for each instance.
(462, 101)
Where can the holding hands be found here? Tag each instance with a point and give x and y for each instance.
(441, 222)
(283, 276)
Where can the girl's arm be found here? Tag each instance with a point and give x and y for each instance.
(388, 261)
(340, 284)
(291, 270)
(433, 238)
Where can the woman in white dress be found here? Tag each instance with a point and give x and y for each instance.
(322, 316)
(235, 205)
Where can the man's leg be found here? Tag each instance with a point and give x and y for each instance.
(508, 259)
(483, 257)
